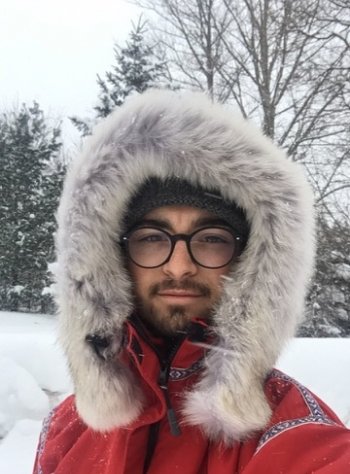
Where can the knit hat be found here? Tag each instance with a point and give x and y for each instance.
(175, 191)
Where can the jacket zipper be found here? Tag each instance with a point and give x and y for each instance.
(164, 377)
(163, 384)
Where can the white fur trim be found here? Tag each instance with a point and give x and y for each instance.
(162, 133)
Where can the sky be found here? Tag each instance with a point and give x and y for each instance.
(51, 51)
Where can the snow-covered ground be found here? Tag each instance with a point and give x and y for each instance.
(34, 378)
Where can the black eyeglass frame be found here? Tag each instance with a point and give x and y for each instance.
(174, 238)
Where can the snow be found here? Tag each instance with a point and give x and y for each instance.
(20, 395)
(34, 378)
(47, 290)
(17, 289)
(342, 314)
(23, 439)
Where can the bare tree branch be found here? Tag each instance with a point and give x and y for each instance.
(284, 63)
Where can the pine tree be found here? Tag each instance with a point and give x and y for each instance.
(136, 69)
(30, 183)
(328, 305)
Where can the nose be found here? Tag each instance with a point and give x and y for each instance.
(180, 264)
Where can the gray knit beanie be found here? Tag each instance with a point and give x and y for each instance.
(174, 191)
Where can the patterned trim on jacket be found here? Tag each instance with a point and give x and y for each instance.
(176, 373)
(43, 438)
(316, 414)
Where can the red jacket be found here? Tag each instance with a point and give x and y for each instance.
(304, 436)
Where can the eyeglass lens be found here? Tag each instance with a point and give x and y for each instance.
(210, 247)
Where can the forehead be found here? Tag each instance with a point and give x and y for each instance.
(184, 217)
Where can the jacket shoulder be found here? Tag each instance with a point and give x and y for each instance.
(60, 431)
(304, 435)
(293, 403)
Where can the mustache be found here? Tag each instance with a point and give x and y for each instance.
(186, 284)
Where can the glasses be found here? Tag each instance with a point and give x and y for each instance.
(211, 247)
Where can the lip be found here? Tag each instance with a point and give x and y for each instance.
(178, 293)
(185, 295)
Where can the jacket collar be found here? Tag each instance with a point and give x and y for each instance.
(183, 354)
(163, 376)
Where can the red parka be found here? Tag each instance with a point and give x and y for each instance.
(303, 436)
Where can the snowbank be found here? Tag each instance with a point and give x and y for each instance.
(34, 378)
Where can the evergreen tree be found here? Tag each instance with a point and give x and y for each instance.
(136, 69)
(329, 298)
(30, 182)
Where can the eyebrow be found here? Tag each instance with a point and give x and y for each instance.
(201, 222)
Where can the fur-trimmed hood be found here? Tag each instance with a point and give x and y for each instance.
(167, 134)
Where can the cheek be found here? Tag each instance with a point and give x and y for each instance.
(217, 282)
(142, 279)
(136, 277)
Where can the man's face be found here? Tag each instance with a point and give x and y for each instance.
(170, 296)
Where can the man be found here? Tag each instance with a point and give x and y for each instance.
(185, 244)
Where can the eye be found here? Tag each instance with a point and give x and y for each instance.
(214, 239)
(152, 238)
(148, 236)
(214, 236)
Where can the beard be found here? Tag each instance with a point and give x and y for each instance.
(174, 319)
